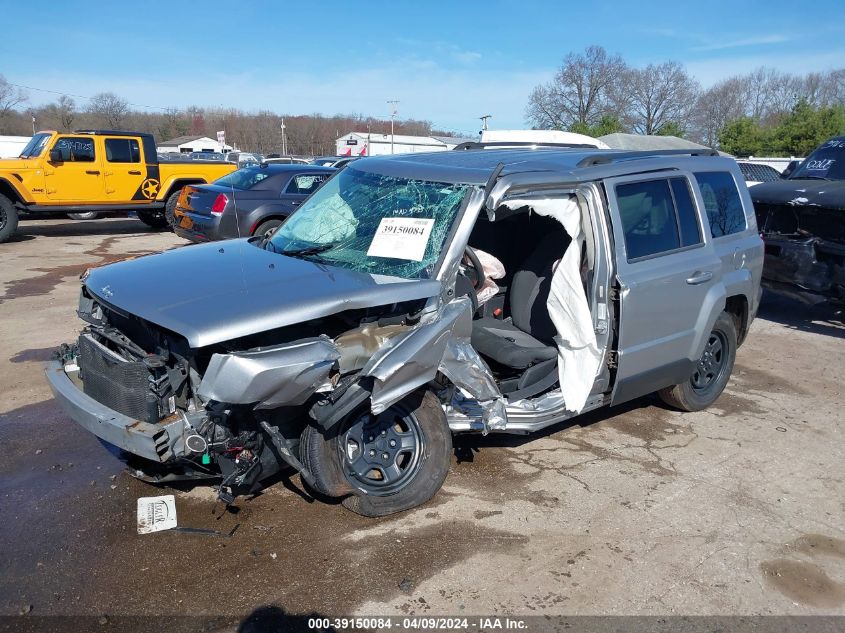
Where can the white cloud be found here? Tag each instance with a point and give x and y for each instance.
(738, 43)
(713, 70)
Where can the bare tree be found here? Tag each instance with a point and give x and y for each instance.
(723, 102)
(655, 96)
(65, 108)
(10, 97)
(579, 91)
(110, 108)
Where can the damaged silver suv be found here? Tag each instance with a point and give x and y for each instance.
(413, 297)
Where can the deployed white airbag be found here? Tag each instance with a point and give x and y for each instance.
(578, 353)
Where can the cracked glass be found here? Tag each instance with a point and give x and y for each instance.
(352, 221)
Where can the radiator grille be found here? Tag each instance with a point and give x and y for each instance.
(118, 384)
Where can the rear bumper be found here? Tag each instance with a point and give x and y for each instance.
(197, 227)
(161, 442)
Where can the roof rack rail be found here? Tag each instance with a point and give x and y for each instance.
(517, 144)
(605, 157)
(111, 132)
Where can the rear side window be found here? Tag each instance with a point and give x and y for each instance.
(122, 150)
(306, 183)
(722, 202)
(75, 149)
(648, 218)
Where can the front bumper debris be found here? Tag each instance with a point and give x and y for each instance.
(160, 442)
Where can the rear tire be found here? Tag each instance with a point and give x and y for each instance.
(712, 371)
(8, 219)
(87, 215)
(422, 452)
(170, 208)
(268, 225)
(153, 219)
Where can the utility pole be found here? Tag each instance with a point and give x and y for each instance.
(284, 139)
(392, 117)
(33, 124)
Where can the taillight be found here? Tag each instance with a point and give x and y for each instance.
(220, 203)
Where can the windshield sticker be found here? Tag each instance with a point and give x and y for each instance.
(401, 238)
(821, 165)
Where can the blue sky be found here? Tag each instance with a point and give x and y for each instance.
(447, 62)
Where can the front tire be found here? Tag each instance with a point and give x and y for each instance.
(390, 462)
(712, 372)
(153, 219)
(8, 219)
(268, 226)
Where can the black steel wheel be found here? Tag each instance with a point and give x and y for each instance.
(712, 363)
(381, 453)
(383, 463)
(8, 219)
(712, 371)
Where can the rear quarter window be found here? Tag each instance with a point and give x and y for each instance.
(722, 202)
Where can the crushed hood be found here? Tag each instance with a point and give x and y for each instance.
(220, 291)
(801, 192)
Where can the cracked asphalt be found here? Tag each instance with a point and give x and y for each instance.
(738, 510)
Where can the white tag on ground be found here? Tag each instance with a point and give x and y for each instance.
(156, 514)
(401, 238)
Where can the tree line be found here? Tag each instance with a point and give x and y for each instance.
(307, 135)
(763, 112)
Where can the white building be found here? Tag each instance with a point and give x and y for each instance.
(377, 144)
(11, 146)
(188, 144)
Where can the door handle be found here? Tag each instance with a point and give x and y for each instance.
(134, 172)
(699, 277)
(93, 172)
(295, 203)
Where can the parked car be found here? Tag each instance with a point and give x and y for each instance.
(244, 159)
(99, 171)
(353, 342)
(211, 156)
(343, 162)
(755, 173)
(286, 160)
(326, 161)
(801, 219)
(249, 201)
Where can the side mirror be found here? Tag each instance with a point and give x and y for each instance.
(790, 168)
(56, 156)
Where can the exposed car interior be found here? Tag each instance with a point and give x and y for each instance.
(514, 331)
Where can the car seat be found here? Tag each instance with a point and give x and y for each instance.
(528, 337)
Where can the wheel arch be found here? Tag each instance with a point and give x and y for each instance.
(9, 190)
(737, 307)
(174, 186)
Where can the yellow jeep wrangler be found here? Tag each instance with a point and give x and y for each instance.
(99, 171)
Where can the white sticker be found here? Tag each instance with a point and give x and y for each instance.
(401, 238)
(156, 514)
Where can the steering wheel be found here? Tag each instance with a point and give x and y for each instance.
(480, 277)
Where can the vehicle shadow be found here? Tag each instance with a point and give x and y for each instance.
(822, 318)
(78, 228)
(273, 619)
(466, 445)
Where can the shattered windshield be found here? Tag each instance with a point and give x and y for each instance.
(373, 223)
(827, 162)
